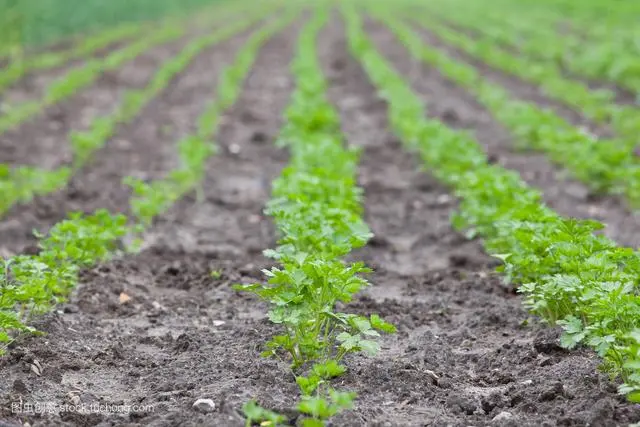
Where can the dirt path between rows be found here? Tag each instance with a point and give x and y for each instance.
(145, 148)
(460, 110)
(184, 335)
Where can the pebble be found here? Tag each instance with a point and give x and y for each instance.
(204, 405)
(503, 416)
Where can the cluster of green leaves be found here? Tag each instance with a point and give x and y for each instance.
(21, 184)
(316, 206)
(568, 275)
(151, 199)
(33, 284)
(85, 48)
(605, 166)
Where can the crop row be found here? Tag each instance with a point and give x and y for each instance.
(86, 48)
(34, 284)
(20, 185)
(605, 166)
(597, 50)
(152, 199)
(84, 75)
(598, 106)
(568, 275)
(316, 206)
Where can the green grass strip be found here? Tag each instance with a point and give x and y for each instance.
(37, 23)
(568, 275)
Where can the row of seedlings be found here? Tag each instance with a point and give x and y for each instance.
(568, 275)
(316, 206)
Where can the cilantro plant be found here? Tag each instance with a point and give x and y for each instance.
(33, 284)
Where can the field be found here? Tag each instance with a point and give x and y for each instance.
(330, 213)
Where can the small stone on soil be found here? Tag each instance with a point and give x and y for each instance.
(204, 405)
(503, 416)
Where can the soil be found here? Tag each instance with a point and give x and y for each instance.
(465, 352)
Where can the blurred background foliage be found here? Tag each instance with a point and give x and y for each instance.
(33, 23)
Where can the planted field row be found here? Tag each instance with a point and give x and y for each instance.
(21, 184)
(599, 50)
(218, 263)
(316, 207)
(70, 245)
(608, 166)
(569, 276)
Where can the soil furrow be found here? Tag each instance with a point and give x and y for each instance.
(462, 355)
(144, 149)
(460, 110)
(184, 334)
(516, 86)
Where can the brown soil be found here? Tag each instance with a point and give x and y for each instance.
(463, 354)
